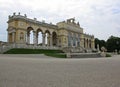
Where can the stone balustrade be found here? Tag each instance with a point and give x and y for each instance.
(5, 48)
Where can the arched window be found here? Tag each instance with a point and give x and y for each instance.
(54, 38)
(30, 35)
(39, 36)
(74, 39)
(21, 36)
(69, 39)
(47, 37)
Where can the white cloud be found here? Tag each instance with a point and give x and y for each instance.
(98, 17)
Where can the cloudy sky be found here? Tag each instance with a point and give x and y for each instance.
(98, 17)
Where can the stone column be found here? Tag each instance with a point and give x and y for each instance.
(37, 39)
(51, 40)
(28, 38)
(81, 44)
(92, 44)
(88, 44)
(43, 39)
(34, 38)
(8, 37)
(76, 44)
(85, 43)
(13, 37)
(98, 48)
(72, 43)
(57, 41)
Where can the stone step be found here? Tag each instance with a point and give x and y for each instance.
(85, 55)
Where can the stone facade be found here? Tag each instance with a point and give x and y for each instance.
(64, 34)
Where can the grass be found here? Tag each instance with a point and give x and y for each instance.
(31, 51)
(52, 53)
(58, 55)
(108, 55)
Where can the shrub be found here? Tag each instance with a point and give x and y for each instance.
(108, 55)
(58, 55)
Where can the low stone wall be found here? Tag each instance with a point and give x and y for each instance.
(5, 48)
(83, 55)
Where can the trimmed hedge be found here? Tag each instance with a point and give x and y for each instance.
(58, 55)
(108, 55)
(47, 52)
(31, 51)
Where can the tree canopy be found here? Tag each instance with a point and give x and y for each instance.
(112, 44)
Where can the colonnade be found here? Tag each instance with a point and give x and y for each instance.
(87, 43)
(73, 40)
(35, 38)
(76, 41)
(11, 37)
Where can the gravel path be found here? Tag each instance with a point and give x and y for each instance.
(42, 71)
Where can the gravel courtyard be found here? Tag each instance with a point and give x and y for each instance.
(40, 71)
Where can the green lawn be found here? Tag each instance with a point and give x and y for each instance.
(53, 53)
(58, 55)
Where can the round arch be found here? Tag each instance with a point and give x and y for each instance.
(70, 39)
(89, 43)
(39, 33)
(47, 37)
(29, 35)
(84, 43)
(54, 38)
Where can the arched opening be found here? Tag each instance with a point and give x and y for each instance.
(84, 43)
(89, 43)
(78, 43)
(30, 35)
(39, 37)
(21, 37)
(54, 38)
(10, 37)
(47, 38)
(69, 39)
(74, 39)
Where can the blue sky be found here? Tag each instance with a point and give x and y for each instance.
(100, 18)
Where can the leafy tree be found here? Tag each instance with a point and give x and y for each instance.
(113, 43)
(100, 42)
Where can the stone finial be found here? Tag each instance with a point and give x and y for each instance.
(19, 13)
(92, 36)
(50, 22)
(14, 14)
(71, 20)
(25, 15)
(78, 24)
(68, 21)
(103, 49)
(43, 21)
(9, 16)
(35, 19)
(98, 48)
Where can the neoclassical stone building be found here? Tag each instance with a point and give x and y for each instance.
(64, 34)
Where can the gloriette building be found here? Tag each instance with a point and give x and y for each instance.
(64, 34)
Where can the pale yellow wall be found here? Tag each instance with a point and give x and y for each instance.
(82, 40)
(62, 31)
(21, 26)
(62, 34)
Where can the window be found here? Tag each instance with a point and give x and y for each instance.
(21, 36)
